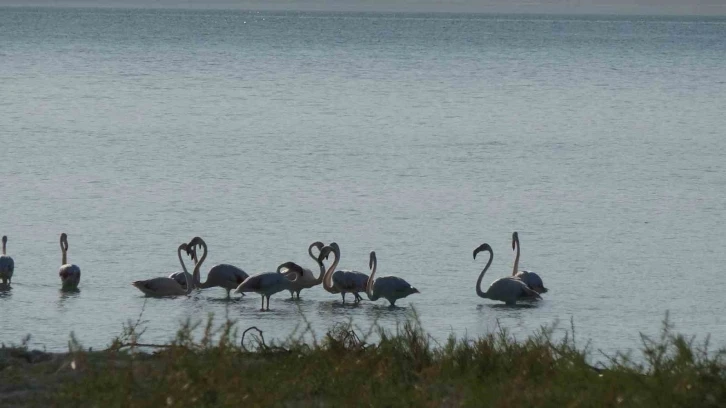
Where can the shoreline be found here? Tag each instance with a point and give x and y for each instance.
(404, 368)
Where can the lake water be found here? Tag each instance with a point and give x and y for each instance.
(420, 136)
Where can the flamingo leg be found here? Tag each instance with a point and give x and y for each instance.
(268, 303)
(263, 303)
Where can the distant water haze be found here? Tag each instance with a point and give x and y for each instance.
(420, 136)
(647, 7)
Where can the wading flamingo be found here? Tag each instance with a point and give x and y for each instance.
(508, 290)
(307, 280)
(163, 286)
(269, 283)
(343, 281)
(70, 274)
(390, 288)
(7, 265)
(225, 276)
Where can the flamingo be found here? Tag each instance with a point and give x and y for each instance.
(307, 280)
(7, 265)
(343, 281)
(163, 286)
(391, 288)
(508, 289)
(70, 274)
(269, 283)
(530, 278)
(225, 276)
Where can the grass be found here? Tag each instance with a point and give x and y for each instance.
(405, 367)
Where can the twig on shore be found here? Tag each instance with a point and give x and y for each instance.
(123, 345)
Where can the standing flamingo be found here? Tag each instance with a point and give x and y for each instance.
(225, 276)
(7, 265)
(530, 278)
(390, 288)
(70, 274)
(343, 281)
(269, 283)
(307, 280)
(163, 286)
(508, 289)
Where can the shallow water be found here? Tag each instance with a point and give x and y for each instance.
(418, 136)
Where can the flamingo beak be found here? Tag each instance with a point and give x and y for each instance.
(415, 290)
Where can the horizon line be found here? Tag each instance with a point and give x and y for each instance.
(524, 10)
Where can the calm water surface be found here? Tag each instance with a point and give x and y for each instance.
(601, 140)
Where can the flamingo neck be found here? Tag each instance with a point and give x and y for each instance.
(4, 241)
(481, 276)
(328, 277)
(181, 261)
(64, 258)
(516, 259)
(197, 266)
(369, 284)
(319, 279)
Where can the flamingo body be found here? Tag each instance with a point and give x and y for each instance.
(7, 265)
(391, 288)
(226, 276)
(160, 287)
(345, 281)
(167, 286)
(307, 280)
(532, 280)
(267, 284)
(509, 291)
(70, 274)
(181, 276)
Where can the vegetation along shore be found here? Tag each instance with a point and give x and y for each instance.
(226, 366)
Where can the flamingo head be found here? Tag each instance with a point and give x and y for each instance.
(482, 247)
(64, 241)
(324, 253)
(515, 240)
(192, 246)
(5, 239)
(333, 247)
(372, 260)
